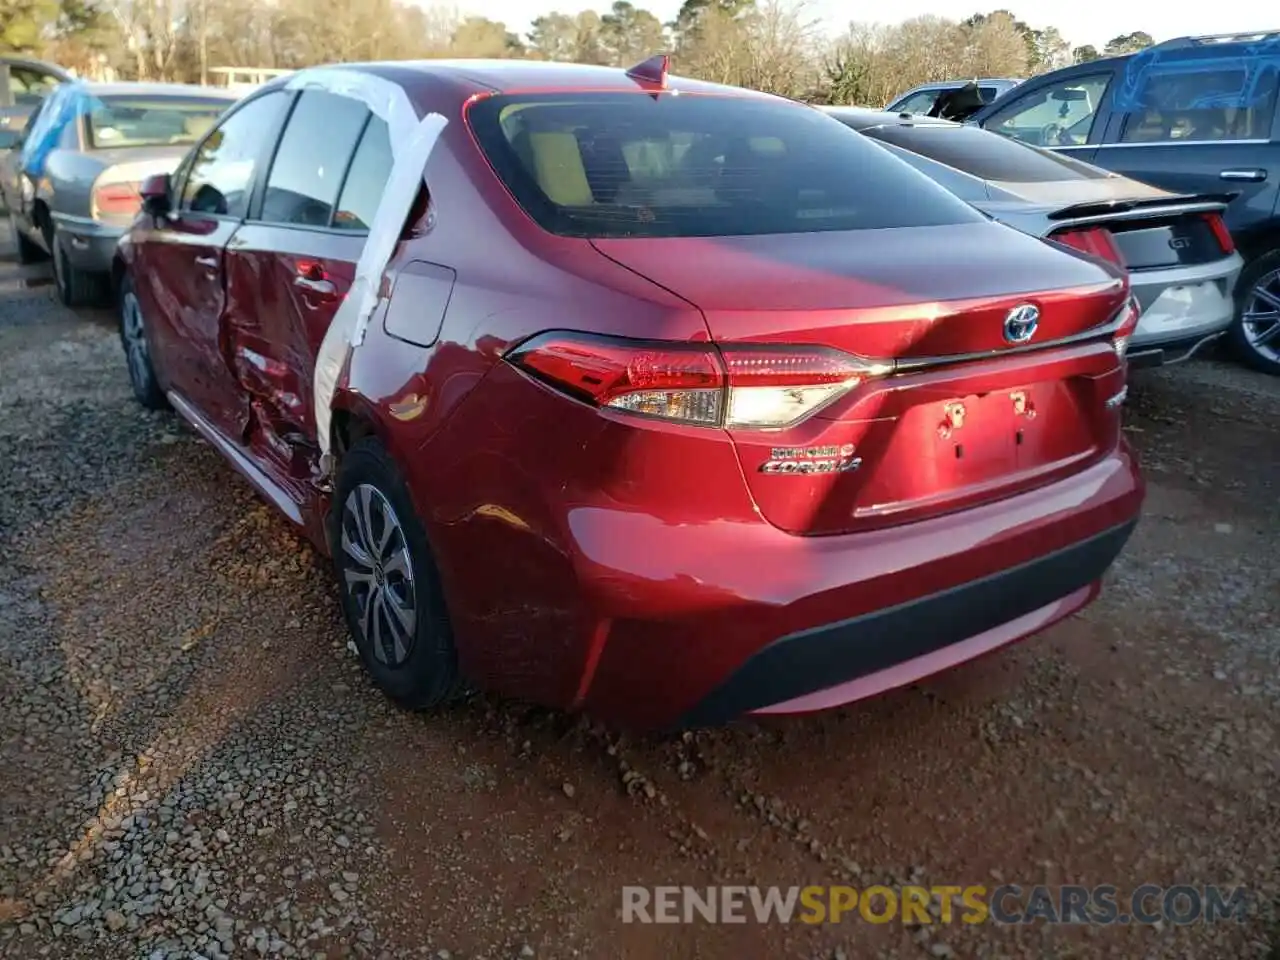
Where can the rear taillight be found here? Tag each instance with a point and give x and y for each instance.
(1095, 241)
(115, 200)
(1220, 232)
(1128, 319)
(732, 386)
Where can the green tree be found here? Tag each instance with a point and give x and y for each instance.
(23, 23)
(630, 34)
(1127, 43)
(1085, 53)
(482, 37)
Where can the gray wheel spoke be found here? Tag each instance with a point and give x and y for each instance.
(356, 552)
(365, 519)
(1267, 336)
(1262, 293)
(402, 613)
(355, 578)
(398, 563)
(369, 624)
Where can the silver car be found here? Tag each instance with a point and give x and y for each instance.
(71, 183)
(1182, 263)
(924, 98)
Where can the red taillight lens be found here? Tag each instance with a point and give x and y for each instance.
(1095, 241)
(733, 386)
(116, 200)
(1220, 232)
(1129, 316)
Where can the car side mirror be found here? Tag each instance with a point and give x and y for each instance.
(156, 193)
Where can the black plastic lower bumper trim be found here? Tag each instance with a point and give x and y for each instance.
(836, 653)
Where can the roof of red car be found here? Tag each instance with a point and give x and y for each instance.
(509, 76)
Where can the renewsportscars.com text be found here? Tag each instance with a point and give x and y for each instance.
(1006, 904)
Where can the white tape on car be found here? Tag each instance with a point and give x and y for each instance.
(412, 140)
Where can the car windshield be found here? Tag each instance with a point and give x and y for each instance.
(988, 156)
(633, 164)
(150, 121)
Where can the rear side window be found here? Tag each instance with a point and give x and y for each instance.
(29, 87)
(366, 180)
(1230, 104)
(633, 164)
(985, 155)
(921, 102)
(150, 121)
(312, 159)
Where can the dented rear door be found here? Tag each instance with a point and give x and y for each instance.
(290, 266)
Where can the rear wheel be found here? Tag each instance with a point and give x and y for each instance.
(28, 252)
(137, 349)
(76, 288)
(388, 581)
(1255, 335)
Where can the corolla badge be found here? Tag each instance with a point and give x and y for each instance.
(1020, 323)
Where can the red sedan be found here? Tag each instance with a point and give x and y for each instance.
(677, 401)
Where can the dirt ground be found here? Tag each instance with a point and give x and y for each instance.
(192, 763)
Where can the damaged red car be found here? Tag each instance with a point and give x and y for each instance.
(679, 402)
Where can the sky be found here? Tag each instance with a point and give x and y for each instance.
(1080, 21)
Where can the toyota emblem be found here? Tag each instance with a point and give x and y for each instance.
(1020, 323)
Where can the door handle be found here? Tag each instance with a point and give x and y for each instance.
(1249, 176)
(210, 263)
(324, 289)
(312, 276)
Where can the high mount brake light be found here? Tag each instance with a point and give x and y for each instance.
(1095, 241)
(1221, 233)
(733, 386)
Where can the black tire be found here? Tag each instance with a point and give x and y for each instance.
(28, 251)
(1258, 270)
(137, 349)
(426, 676)
(76, 288)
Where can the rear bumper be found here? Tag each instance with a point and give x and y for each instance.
(89, 245)
(1184, 306)
(846, 661)
(743, 618)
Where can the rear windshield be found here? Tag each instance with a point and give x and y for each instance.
(632, 164)
(983, 154)
(150, 121)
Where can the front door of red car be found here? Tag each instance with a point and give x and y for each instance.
(180, 271)
(291, 263)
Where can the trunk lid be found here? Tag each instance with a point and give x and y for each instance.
(1153, 228)
(960, 419)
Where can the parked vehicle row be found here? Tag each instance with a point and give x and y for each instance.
(661, 414)
(1180, 256)
(1196, 115)
(71, 182)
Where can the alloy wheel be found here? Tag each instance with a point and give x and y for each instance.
(377, 573)
(1260, 317)
(135, 341)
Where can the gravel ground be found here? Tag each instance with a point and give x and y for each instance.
(193, 765)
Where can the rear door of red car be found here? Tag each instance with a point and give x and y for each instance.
(179, 271)
(290, 265)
